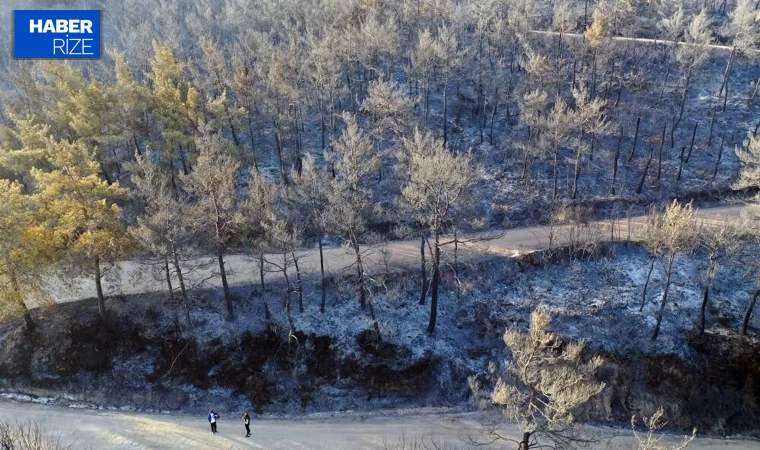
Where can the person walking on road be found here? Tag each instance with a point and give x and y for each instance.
(247, 422)
(212, 416)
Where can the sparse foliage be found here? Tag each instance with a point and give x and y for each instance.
(214, 202)
(544, 384)
(438, 183)
(27, 436)
(652, 440)
(669, 234)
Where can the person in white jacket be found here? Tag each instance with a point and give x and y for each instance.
(212, 417)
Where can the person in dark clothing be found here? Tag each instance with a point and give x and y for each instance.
(247, 423)
(212, 416)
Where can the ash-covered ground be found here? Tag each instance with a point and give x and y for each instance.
(332, 361)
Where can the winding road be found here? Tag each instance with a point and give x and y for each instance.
(135, 277)
(98, 429)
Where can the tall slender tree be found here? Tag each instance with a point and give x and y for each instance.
(310, 202)
(214, 202)
(749, 177)
(81, 208)
(350, 197)
(669, 234)
(438, 183)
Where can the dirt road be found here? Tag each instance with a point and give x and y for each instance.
(87, 428)
(136, 277)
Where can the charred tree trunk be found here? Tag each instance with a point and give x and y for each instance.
(708, 285)
(445, 112)
(644, 174)
(267, 313)
(493, 114)
(225, 285)
(748, 314)
(717, 162)
(724, 83)
(646, 285)
(620, 85)
(615, 162)
(186, 308)
(427, 98)
(254, 159)
(278, 142)
(30, 325)
(299, 283)
(168, 280)
(662, 147)
(99, 288)
(235, 138)
(360, 275)
(423, 271)
(456, 266)
(183, 160)
(322, 284)
(554, 176)
(703, 308)
(180, 277)
(664, 298)
(685, 96)
(322, 127)
(691, 146)
(525, 443)
(137, 146)
(635, 140)
(585, 14)
(725, 98)
(680, 163)
(435, 283)
(288, 289)
(577, 172)
(593, 75)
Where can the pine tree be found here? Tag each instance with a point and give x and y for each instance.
(164, 234)
(749, 177)
(438, 184)
(667, 235)
(212, 187)
(557, 125)
(545, 382)
(81, 209)
(744, 29)
(246, 84)
(131, 108)
(28, 249)
(162, 230)
(256, 211)
(693, 54)
(25, 147)
(588, 118)
(309, 199)
(175, 110)
(324, 66)
(217, 78)
(350, 198)
(283, 239)
(717, 241)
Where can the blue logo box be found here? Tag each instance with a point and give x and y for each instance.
(56, 34)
